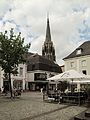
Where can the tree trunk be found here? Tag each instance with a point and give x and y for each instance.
(10, 84)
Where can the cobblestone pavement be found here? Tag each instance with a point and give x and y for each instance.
(30, 106)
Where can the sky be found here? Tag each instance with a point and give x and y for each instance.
(69, 23)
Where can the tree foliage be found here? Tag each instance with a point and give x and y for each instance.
(12, 49)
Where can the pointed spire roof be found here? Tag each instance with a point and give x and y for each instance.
(48, 34)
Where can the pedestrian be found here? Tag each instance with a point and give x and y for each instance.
(14, 91)
(41, 90)
(19, 90)
(2, 91)
(60, 97)
(43, 93)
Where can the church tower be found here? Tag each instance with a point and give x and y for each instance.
(48, 50)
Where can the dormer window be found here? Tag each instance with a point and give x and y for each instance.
(79, 51)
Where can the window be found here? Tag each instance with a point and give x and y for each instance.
(40, 76)
(72, 64)
(78, 52)
(21, 71)
(33, 67)
(83, 63)
(84, 72)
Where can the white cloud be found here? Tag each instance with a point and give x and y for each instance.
(29, 17)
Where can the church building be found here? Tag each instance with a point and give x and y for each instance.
(48, 50)
(41, 67)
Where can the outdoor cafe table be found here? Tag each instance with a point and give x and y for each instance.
(73, 99)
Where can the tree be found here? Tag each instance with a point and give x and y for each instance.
(12, 50)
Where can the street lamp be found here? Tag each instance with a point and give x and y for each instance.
(72, 86)
(45, 75)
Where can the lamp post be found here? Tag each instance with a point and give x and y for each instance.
(72, 86)
(78, 86)
(45, 75)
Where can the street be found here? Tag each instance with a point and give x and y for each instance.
(30, 106)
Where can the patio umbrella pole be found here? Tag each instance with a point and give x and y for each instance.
(79, 96)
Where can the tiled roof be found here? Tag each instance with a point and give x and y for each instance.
(85, 50)
(38, 62)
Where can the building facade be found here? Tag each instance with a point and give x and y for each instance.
(79, 59)
(38, 70)
(17, 81)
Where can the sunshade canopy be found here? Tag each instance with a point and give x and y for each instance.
(71, 74)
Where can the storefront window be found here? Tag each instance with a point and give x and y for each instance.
(40, 76)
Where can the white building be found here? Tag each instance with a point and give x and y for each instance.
(79, 59)
(17, 81)
(32, 75)
(38, 69)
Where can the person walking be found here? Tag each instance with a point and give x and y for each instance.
(60, 97)
(14, 92)
(2, 90)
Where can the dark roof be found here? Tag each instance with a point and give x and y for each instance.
(38, 62)
(85, 50)
(27, 56)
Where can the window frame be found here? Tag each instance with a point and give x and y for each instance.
(72, 64)
(83, 63)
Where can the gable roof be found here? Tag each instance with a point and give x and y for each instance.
(85, 50)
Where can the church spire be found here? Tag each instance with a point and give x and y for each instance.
(48, 34)
(48, 50)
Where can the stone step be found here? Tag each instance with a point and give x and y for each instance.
(81, 116)
(87, 113)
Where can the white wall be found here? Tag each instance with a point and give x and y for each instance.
(18, 77)
(30, 74)
(78, 64)
(24, 75)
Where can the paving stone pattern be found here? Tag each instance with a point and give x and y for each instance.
(30, 106)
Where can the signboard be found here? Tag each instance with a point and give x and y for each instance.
(40, 76)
